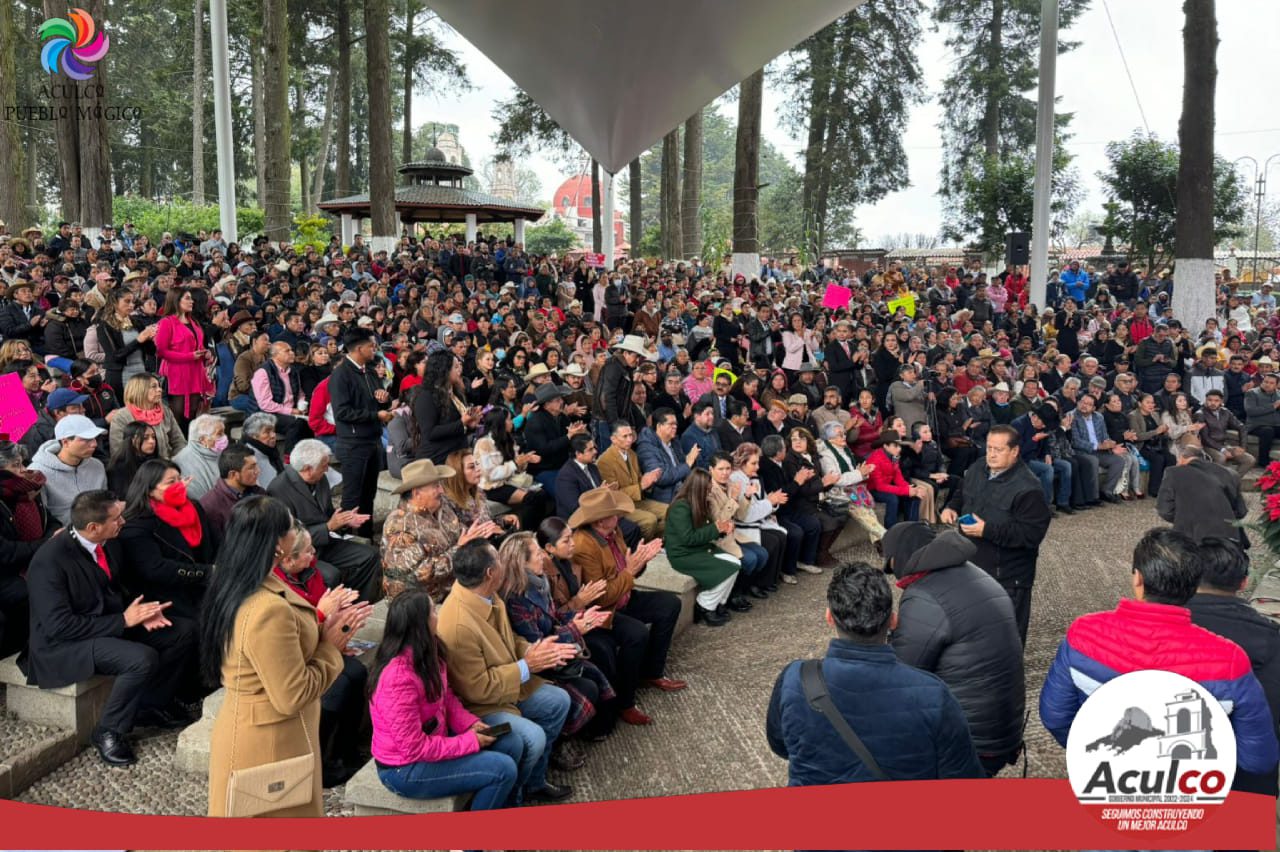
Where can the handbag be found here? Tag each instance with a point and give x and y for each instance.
(273, 786)
(955, 442)
(815, 692)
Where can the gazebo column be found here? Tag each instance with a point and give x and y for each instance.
(471, 227)
(519, 230)
(606, 219)
(348, 230)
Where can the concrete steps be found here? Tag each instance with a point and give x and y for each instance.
(367, 796)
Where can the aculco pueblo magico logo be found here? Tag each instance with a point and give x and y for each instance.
(72, 45)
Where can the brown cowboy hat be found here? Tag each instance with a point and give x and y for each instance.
(600, 503)
(422, 472)
(888, 436)
(240, 318)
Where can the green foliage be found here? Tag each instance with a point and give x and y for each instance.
(312, 232)
(1142, 181)
(525, 127)
(154, 219)
(553, 237)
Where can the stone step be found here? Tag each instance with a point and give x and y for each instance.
(368, 796)
(30, 753)
(660, 576)
(73, 708)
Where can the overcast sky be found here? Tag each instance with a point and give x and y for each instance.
(1091, 83)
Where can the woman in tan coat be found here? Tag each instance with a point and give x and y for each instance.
(273, 655)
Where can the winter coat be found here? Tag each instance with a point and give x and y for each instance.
(410, 728)
(177, 345)
(1016, 516)
(654, 456)
(887, 478)
(693, 550)
(1202, 499)
(956, 621)
(63, 483)
(157, 561)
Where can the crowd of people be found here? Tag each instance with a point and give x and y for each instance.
(553, 427)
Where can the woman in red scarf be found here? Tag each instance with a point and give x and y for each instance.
(166, 546)
(144, 403)
(24, 526)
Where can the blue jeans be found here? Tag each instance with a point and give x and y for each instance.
(244, 402)
(543, 716)
(548, 480)
(891, 504)
(754, 558)
(489, 773)
(1045, 473)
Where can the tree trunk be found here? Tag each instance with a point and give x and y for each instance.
(597, 233)
(146, 164)
(197, 104)
(406, 143)
(342, 100)
(991, 112)
(275, 101)
(691, 187)
(259, 122)
(382, 203)
(670, 195)
(1193, 290)
(746, 177)
(95, 142)
(821, 51)
(12, 208)
(32, 177)
(326, 138)
(636, 229)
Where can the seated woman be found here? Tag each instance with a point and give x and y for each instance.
(780, 538)
(729, 500)
(692, 541)
(144, 401)
(802, 454)
(534, 615)
(425, 742)
(923, 463)
(259, 433)
(617, 644)
(467, 501)
(166, 548)
(867, 420)
(421, 535)
(139, 446)
(342, 750)
(503, 478)
(888, 485)
(837, 458)
(198, 460)
(25, 525)
(953, 426)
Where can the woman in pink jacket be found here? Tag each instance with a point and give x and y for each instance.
(425, 743)
(183, 356)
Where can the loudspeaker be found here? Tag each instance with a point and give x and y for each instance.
(1017, 248)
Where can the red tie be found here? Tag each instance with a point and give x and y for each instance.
(102, 560)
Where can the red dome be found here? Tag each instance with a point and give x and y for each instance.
(573, 197)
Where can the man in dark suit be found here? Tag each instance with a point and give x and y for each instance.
(81, 627)
(736, 430)
(1202, 499)
(304, 487)
(718, 397)
(838, 357)
(578, 475)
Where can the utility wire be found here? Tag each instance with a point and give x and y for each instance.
(1125, 62)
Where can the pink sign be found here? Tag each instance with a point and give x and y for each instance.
(596, 260)
(17, 415)
(836, 297)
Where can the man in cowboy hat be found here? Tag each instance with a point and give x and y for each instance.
(599, 553)
(613, 389)
(547, 432)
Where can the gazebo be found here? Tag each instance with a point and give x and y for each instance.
(432, 191)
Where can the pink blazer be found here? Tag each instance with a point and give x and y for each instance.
(177, 344)
(400, 707)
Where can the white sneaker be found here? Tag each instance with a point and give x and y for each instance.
(790, 579)
(808, 569)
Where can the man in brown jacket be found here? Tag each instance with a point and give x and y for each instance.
(621, 466)
(247, 363)
(493, 670)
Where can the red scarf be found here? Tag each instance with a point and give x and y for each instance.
(19, 494)
(183, 517)
(149, 416)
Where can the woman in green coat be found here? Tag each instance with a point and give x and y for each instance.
(690, 540)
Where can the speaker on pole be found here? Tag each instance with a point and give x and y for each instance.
(1017, 248)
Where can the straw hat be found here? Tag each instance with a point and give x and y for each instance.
(422, 472)
(598, 504)
(632, 343)
(1004, 387)
(573, 370)
(538, 369)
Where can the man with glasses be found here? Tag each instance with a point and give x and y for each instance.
(719, 398)
(1007, 516)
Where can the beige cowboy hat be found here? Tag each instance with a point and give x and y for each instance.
(632, 343)
(421, 472)
(227, 280)
(135, 275)
(326, 319)
(573, 370)
(282, 266)
(600, 503)
(538, 369)
(1001, 387)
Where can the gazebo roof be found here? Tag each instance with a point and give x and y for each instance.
(434, 203)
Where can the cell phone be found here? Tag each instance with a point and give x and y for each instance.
(496, 731)
(967, 519)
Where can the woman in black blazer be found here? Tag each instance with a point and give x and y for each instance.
(441, 421)
(166, 547)
(121, 336)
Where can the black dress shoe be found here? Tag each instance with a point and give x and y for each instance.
(771, 588)
(723, 612)
(709, 617)
(739, 603)
(550, 793)
(1094, 504)
(1066, 510)
(757, 593)
(161, 717)
(113, 748)
(1111, 498)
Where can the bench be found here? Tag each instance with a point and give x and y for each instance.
(660, 576)
(368, 796)
(72, 708)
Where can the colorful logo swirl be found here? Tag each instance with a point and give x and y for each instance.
(72, 46)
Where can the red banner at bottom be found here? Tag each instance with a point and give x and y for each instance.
(984, 814)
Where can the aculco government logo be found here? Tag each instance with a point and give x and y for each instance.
(72, 45)
(1151, 751)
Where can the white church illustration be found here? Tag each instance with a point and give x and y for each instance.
(1187, 725)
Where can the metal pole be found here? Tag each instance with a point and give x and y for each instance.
(606, 218)
(1044, 152)
(1260, 191)
(222, 120)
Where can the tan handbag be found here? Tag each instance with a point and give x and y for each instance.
(274, 786)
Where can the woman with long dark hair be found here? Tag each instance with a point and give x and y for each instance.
(503, 475)
(690, 539)
(167, 544)
(426, 743)
(442, 422)
(125, 340)
(265, 643)
(180, 345)
(139, 445)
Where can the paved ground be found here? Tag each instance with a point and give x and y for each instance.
(710, 737)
